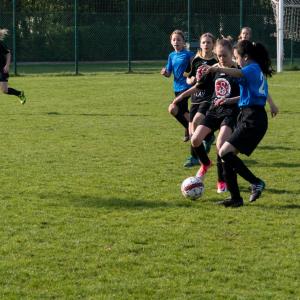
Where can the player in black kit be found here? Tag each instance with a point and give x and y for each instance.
(5, 58)
(222, 112)
(200, 100)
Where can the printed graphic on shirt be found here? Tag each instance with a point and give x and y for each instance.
(200, 71)
(222, 88)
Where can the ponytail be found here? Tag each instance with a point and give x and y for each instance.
(257, 52)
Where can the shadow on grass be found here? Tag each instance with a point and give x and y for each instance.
(250, 162)
(118, 203)
(54, 113)
(276, 147)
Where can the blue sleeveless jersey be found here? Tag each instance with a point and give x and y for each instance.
(177, 64)
(253, 86)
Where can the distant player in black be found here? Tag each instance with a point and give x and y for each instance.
(200, 100)
(5, 59)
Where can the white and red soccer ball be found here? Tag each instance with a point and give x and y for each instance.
(192, 188)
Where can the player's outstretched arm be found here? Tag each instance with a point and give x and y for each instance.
(229, 71)
(185, 94)
(273, 107)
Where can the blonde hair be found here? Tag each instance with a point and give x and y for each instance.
(245, 28)
(179, 32)
(3, 33)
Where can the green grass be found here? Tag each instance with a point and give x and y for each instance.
(91, 207)
(118, 66)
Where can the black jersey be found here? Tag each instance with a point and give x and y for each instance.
(205, 92)
(3, 51)
(225, 86)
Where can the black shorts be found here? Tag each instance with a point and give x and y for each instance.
(251, 127)
(4, 77)
(216, 117)
(201, 107)
(183, 105)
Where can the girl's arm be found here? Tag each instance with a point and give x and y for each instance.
(185, 94)
(229, 101)
(8, 60)
(229, 71)
(191, 80)
(165, 72)
(273, 108)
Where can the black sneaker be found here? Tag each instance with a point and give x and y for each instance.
(229, 202)
(256, 190)
(186, 138)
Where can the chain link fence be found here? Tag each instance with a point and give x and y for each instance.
(122, 34)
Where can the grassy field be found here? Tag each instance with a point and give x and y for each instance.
(118, 66)
(91, 207)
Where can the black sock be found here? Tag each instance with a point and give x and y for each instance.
(12, 91)
(220, 169)
(182, 120)
(201, 154)
(209, 136)
(231, 181)
(193, 153)
(240, 168)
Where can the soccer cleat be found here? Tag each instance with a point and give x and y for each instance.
(229, 202)
(221, 187)
(186, 138)
(203, 170)
(207, 144)
(191, 161)
(256, 190)
(22, 97)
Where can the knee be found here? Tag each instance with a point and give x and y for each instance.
(222, 152)
(173, 109)
(195, 141)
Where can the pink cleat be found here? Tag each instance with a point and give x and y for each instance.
(203, 170)
(221, 187)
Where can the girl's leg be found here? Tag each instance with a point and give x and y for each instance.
(4, 87)
(10, 91)
(224, 134)
(181, 117)
(200, 133)
(228, 154)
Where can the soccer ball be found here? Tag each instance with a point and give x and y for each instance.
(192, 188)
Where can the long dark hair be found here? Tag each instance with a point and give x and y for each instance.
(257, 52)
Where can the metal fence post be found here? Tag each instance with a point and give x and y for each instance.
(292, 52)
(76, 35)
(14, 38)
(189, 21)
(129, 35)
(241, 14)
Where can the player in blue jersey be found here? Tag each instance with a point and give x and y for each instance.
(252, 121)
(5, 58)
(177, 63)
